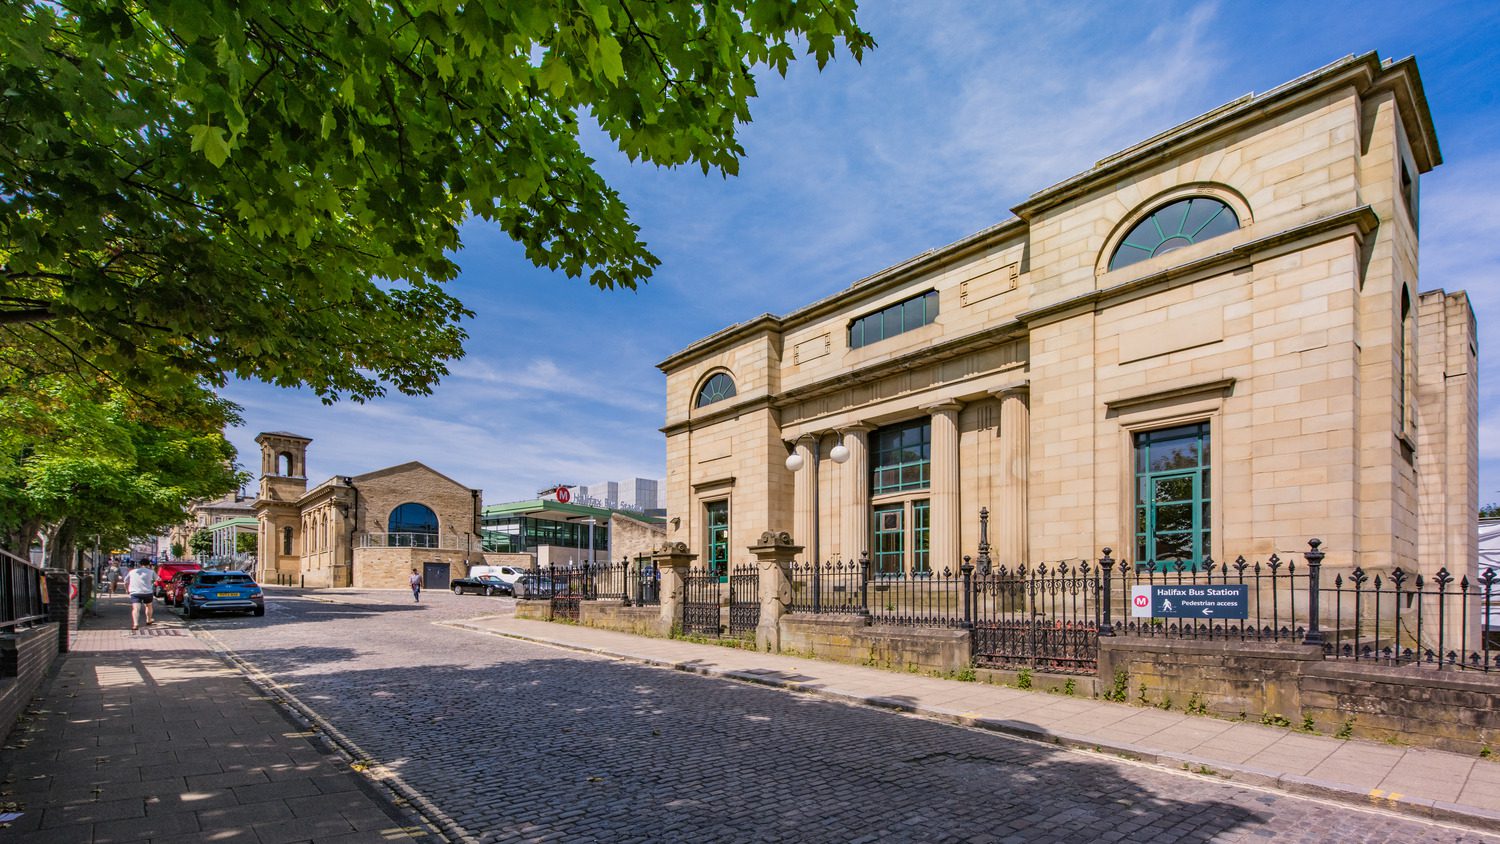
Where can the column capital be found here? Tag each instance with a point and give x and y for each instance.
(938, 407)
(1011, 389)
(856, 428)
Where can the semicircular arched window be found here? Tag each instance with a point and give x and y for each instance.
(717, 388)
(412, 525)
(1173, 226)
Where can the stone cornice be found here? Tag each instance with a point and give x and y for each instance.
(947, 349)
(1363, 73)
(1222, 387)
(1358, 221)
(721, 339)
(746, 406)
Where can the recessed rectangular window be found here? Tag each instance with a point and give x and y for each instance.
(896, 319)
(1172, 501)
(717, 519)
(901, 457)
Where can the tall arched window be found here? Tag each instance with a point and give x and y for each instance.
(286, 541)
(413, 525)
(717, 388)
(1173, 226)
(285, 463)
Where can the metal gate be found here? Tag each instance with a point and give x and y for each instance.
(1043, 619)
(568, 587)
(700, 604)
(744, 600)
(435, 575)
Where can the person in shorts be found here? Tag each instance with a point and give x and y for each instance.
(140, 585)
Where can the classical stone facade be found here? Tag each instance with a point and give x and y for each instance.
(367, 530)
(1212, 343)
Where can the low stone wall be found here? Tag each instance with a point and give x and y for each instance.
(1442, 709)
(612, 615)
(391, 568)
(24, 659)
(1252, 679)
(850, 638)
(534, 610)
(1293, 684)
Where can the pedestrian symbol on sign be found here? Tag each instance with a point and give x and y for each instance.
(1166, 606)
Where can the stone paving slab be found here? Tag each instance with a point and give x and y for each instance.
(1416, 781)
(149, 737)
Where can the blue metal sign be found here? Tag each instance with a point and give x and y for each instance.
(1190, 601)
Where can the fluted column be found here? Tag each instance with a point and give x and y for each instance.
(944, 532)
(805, 496)
(1010, 535)
(855, 523)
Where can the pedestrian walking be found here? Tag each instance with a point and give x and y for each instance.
(111, 578)
(416, 586)
(141, 586)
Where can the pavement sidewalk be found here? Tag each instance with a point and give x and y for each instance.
(1420, 782)
(150, 736)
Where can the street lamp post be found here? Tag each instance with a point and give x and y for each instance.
(838, 454)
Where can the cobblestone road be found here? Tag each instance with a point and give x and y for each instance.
(522, 742)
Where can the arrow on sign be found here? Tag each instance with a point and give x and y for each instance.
(1207, 611)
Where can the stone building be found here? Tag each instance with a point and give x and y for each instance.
(367, 530)
(206, 515)
(1211, 343)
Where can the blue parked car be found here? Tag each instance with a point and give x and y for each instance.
(222, 591)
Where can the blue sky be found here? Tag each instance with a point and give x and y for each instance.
(964, 110)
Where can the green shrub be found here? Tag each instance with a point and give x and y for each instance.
(1119, 691)
(1023, 678)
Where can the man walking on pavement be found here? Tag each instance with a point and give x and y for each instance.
(416, 586)
(140, 585)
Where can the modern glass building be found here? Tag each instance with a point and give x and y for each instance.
(563, 530)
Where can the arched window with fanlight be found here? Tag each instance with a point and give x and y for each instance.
(412, 525)
(1172, 226)
(717, 388)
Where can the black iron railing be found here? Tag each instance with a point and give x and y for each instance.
(833, 586)
(1045, 617)
(1278, 592)
(934, 599)
(702, 598)
(1399, 619)
(22, 592)
(744, 600)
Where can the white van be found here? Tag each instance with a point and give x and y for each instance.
(507, 574)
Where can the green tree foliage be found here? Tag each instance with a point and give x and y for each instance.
(244, 543)
(202, 541)
(1489, 511)
(192, 189)
(177, 550)
(82, 457)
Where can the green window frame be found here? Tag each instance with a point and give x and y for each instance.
(718, 387)
(1173, 506)
(901, 457)
(890, 540)
(904, 316)
(921, 537)
(716, 518)
(1173, 226)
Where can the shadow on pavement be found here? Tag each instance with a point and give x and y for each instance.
(600, 750)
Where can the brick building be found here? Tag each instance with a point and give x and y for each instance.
(1211, 343)
(367, 530)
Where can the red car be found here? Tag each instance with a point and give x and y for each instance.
(173, 591)
(167, 573)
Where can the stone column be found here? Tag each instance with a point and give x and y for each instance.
(773, 560)
(805, 492)
(855, 533)
(944, 533)
(672, 562)
(1011, 540)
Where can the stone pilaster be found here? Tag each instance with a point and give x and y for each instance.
(805, 493)
(773, 560)
(944, 533)
(855, 536)
(1010, 540)
(672, 562)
